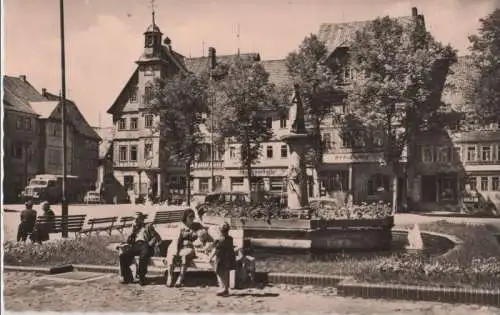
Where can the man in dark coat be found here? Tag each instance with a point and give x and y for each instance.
(28, 219)
(141, 242)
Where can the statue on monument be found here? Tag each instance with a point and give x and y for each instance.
(296, 113)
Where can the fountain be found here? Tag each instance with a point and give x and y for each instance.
(303, 231)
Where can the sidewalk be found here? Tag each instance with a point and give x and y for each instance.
(106, 295)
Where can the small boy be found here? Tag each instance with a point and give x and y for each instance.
(224, 259)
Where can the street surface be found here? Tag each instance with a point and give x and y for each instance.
(30, 292)
(11, 219)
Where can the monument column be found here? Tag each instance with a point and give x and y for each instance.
(297, 139)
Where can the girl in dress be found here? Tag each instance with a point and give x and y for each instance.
(223, 258)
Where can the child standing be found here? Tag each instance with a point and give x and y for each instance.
(224, 259)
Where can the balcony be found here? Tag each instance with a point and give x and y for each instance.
(208, 165)
(124, 164)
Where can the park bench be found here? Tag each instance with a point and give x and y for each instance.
(100, 225)
(125, 222)
(75, 223)
(166, 217)
(238, 278)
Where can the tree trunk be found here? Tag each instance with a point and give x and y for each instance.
(412, 157)
(188, 183)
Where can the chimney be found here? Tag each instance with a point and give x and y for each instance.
(211, 57)
(414, 11)
(22, 77)
(44, 92)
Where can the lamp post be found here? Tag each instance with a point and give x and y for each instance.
(64, 202)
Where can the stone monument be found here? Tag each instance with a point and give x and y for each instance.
(297, 139)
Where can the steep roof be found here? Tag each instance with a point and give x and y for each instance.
(166, 53)
(74, 116)
(336, 35)
(278, 72)
(18, 93)
(478, 136)
(200, 64)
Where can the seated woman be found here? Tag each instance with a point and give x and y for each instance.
(182, 249)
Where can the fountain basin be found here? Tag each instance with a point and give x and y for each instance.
(314, 234)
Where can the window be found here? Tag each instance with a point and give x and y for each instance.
(27, 124)
(378, 184)
(133, 123)
(148, 150)
(269, 152)
(148, 94)
(276, 184)
(486, 153)
(122, 124)
(284, 151)
(283, 120)
(484, 183)
(327, 142)
(133, 153)
(148, 121)
(203, 185)
(471, 153)
(348, 74)
(128, 181)
(133, 95)
(444, 154)
(495, 183)
(471, 181)
(236, 183)
(232, 153)
(123, 153)
(269, 122)
(498, 152)
(17, 150)
(427, 154)
(378, 139)
(19, 123)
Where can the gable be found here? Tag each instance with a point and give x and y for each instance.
(123, 97)
(18, 93)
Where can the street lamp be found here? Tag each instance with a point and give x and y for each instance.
(64, 202)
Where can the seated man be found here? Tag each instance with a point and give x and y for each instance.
(141, 242)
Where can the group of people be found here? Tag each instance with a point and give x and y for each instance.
(191, 235)
(37, 231)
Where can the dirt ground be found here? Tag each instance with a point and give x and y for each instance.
(31, 292)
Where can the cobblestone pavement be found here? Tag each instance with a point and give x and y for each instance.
(30, 292)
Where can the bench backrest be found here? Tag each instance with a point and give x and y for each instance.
(75, 222)
(102, 220)
(237, 234)
(126, 219)
(172, 216)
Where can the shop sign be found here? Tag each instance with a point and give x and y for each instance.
(266, 172)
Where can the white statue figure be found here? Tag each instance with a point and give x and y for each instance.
(415, 238)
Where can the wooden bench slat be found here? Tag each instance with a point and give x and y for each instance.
(74, 223)
(107, 221)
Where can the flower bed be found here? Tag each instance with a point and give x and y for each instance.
(91, 250)
(474, 264)
(321, 209)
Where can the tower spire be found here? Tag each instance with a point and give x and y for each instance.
(153, 11)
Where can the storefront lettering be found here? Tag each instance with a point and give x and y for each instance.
(266, 172)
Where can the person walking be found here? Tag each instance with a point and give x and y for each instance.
(141, 242)
(28, 219)
(224, 259)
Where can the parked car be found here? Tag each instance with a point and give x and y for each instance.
(93, 197)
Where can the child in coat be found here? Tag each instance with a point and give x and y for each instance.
(224, 259)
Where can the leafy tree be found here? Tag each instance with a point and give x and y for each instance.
(244, 96)
(401, 70)
(318, 86)
(180, 102)
(484, 94)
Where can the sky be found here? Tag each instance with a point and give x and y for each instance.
(104, 38)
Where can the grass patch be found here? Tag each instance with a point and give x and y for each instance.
(88, 250)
